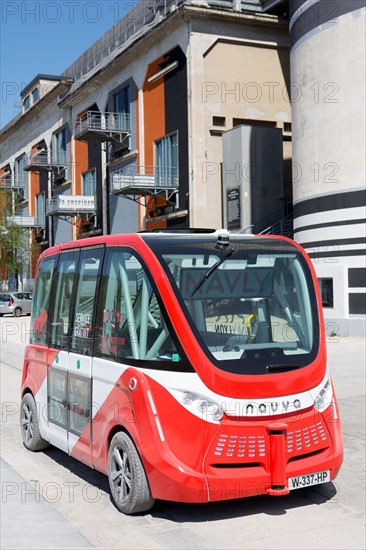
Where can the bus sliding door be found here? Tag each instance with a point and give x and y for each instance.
(80, 355)
(69, 374)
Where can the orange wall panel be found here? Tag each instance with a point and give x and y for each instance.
(154, 111)
(160, 224)
(81, 163)
(154, 118)
(34, 189)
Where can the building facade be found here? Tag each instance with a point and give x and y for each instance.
(130, 136)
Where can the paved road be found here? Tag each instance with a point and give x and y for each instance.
(49, 500)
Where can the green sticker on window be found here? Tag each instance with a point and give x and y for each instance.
(56, 358)
(175, 357)
(78, 364)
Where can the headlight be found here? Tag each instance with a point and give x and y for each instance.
(324, 397)
(209, 410)
(218, 414)
(203, 405)
(187, 398)
(199, 405)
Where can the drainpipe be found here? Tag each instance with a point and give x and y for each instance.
(141, 146)
(50, 218)
(190, 117)
(72, 169)
(104, 191)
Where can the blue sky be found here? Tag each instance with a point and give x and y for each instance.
(46, 37)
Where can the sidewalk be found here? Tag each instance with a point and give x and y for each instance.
(29, 521)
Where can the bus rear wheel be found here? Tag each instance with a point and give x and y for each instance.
(126, 475)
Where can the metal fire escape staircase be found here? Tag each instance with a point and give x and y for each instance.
(284, 227)
(103, 127)
(137, 181)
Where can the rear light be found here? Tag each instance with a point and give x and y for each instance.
(11, 302)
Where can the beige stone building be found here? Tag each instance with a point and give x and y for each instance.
(131, 135)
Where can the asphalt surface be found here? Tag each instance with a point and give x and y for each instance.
(49, 500)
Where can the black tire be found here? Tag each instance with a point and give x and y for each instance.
(29, 425)
(128, 483)
(17, 312)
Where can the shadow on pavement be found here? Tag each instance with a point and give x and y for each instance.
(213, 511)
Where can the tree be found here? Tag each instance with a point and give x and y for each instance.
(15, 244)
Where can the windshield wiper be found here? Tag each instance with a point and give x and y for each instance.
(210, 272)
(281, 368)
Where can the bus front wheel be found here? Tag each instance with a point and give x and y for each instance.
(127, 479)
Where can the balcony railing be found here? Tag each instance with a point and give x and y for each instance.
(102, 126)
(7, 182)
(44, 160)
(22, 221)
(70, 205)
(143, 180)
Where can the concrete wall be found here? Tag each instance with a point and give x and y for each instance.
(328, 83)
(237, 72)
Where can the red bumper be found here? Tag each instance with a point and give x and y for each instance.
(253, 458)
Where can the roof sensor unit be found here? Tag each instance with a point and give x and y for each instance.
(222, 238)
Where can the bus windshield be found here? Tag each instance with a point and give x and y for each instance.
(253, 311)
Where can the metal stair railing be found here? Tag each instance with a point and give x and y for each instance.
(283, 227)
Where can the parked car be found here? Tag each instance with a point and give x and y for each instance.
(16, 303)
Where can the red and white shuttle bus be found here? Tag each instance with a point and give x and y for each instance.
(188, 367)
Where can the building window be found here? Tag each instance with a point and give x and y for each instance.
(89, 188)
(26, 103)
(252, 122)
(60, 155)
(60, 147)
(6, 176)
(121, 108)
(121, 101)
(20, 176)
(89, 182)
(326, 292)
(40, 210)
(357, 303)
(357, 277)
(167, 161)
(218, 121)
(35, 95)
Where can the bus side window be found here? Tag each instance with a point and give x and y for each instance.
(85, 302)
(41, 301)
(109, 316)
(129, 323)
(59, 323)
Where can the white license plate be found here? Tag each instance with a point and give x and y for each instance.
(308, 480)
